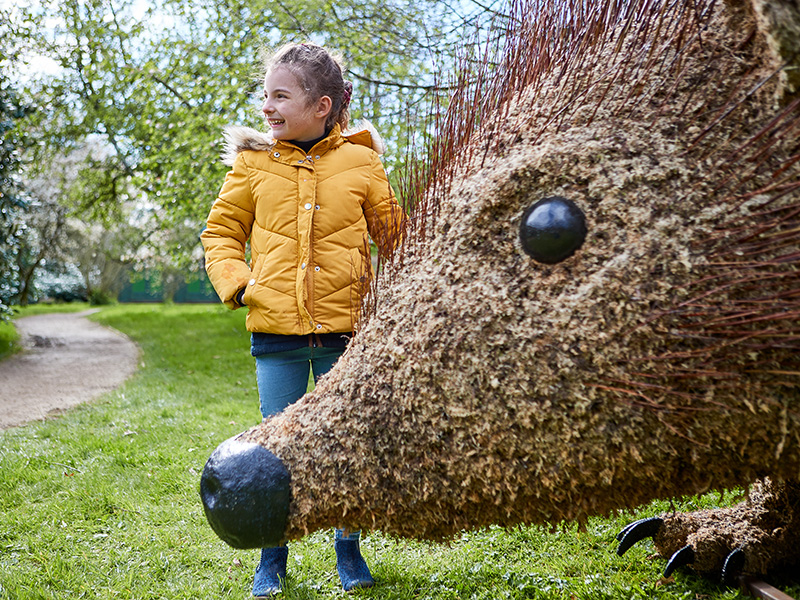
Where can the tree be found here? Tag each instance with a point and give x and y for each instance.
(158, 86)
(12, 205)
(65, 227)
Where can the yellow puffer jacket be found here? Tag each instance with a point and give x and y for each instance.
(307, 217)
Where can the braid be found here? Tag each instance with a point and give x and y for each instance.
(319, 74)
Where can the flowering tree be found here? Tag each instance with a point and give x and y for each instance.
(155, 84)
(11, 204)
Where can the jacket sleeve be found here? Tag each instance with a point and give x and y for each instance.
(227, 230)
(385, 217)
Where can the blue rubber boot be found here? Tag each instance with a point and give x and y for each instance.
(271, 572)
(353, 571)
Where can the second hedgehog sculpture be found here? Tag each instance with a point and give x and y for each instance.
(597, 302)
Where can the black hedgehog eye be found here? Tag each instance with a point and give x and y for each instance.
(552, 229)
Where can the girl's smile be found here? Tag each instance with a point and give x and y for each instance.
(289, 111)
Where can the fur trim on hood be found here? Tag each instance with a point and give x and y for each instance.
(238, 139)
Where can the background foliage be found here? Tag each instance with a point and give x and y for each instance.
(11, 204)
(120, 150)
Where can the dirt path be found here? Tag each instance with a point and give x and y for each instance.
(67, 359)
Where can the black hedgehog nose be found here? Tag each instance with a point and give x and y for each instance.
(552, 230)
(246, 495)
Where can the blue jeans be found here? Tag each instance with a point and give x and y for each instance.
(283, 379)
(283, 376)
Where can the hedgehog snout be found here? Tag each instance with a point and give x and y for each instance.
(246, 495)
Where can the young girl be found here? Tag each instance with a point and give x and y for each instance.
(306, 197)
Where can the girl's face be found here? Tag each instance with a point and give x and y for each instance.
(288, 110)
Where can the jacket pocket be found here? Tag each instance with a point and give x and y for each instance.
(255, 273)
(358, 272)
(359, 281)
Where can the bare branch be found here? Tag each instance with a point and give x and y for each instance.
(400, 85)
(290, 14)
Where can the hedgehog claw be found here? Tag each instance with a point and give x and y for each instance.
(637, 531)
(627, 528)
(681, 558)
(733, 567)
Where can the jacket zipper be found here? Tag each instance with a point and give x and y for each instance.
(311, 263)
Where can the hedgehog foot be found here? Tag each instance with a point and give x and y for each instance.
(756, 537)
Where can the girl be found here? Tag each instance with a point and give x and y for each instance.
(306, 197)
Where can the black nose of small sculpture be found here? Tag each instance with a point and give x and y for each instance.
(246, 495)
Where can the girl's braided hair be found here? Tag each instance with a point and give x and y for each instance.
(319, 73)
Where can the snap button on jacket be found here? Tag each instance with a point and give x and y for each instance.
(308, 222)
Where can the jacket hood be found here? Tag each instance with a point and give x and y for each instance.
(238, 139)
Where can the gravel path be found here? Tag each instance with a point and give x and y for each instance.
(66, 360)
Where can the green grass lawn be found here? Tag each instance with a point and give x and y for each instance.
(103, 502)
(8, 339)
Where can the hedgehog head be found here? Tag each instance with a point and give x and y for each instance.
(597, 295)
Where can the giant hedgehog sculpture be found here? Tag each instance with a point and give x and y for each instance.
(660, 358)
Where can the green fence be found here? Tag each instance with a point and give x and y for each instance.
(150, 288)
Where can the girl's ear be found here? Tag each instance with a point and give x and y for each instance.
(324, 106)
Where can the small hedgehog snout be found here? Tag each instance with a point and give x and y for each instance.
(246, 495)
